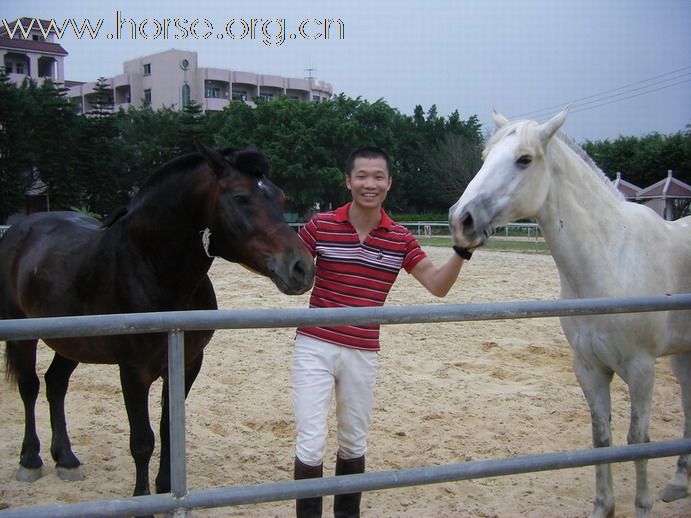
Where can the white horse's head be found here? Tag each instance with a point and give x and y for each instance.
(512, 183)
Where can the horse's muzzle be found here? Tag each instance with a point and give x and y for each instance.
(470, 224)
(291, 272)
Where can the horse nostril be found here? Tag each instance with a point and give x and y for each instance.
(297, 270)
(302, 271)
(468, 223)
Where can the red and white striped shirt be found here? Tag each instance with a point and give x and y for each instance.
(355, 274)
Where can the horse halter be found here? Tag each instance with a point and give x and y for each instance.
(206, 241)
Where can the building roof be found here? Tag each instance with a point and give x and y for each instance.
(668, 187)
(25, 22)
(44, 47)
(628, 189)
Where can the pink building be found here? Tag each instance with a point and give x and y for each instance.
(173, 79)
(629, 190)
(31, 52)
(670, 198)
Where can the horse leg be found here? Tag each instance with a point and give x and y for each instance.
(640, 377)
(678, 487)
(57, 380)
(135, 390)
(191, 372)
(21, 365)
(595, 382)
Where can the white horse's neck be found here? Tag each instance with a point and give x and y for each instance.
(579, 239)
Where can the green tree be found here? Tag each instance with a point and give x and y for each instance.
(100, 164)
(101, 100)
(191, 125)
(437, 157)
(148, 139)
(15, 151)
(644, 160)
(57, 163)
(451, 164)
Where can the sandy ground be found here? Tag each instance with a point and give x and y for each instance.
(446, 393)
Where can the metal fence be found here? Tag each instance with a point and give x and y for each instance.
(177, 322)
(441, 229)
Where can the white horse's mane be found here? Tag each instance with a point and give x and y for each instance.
(571, 144)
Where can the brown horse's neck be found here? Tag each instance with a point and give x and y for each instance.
(177, 252)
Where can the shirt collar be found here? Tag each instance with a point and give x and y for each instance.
(385, 221)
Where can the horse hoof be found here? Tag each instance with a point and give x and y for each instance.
(28, 475)
(602, 511)
(70, 474)
(674, 492)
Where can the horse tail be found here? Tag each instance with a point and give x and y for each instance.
(17, 354)
(9, 376)
(10, 364)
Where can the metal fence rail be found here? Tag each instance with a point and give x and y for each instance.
(177, 322)
(290, 490)
(138, 323)
(441, 228)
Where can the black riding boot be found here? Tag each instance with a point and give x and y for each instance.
(308, 507)
(348, 506)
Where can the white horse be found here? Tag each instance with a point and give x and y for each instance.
(603, 247)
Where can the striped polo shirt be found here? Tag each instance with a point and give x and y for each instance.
(354, 274)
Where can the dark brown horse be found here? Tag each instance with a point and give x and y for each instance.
(153, 256)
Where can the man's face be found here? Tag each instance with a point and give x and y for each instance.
(368, 182)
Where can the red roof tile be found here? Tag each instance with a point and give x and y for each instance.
(31, 45)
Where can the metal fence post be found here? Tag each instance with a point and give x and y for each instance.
(176, 398)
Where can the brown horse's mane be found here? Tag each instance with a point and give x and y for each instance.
(182, 164)
(249, 160)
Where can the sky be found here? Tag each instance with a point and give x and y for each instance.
(624, 66)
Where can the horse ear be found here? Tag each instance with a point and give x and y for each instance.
(499, 119)
(212, 157)
(252, 161)
(549, 128)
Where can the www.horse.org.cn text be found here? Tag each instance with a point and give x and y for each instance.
(269, 31)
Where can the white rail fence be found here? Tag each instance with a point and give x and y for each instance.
(441, 229)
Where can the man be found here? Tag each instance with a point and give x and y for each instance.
(359, 251)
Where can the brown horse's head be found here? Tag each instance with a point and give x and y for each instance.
(247, 224)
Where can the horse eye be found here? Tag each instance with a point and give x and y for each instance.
(241, 198)
(524, 160)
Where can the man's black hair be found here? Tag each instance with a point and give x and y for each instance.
(368, 152)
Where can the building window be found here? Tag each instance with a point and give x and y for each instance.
(185, 95)
(147, 96)
(147, 69)
(266, 97)
(239, 95)
(212, 92)
(316, 98)
(8, 68)
(19, 68)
